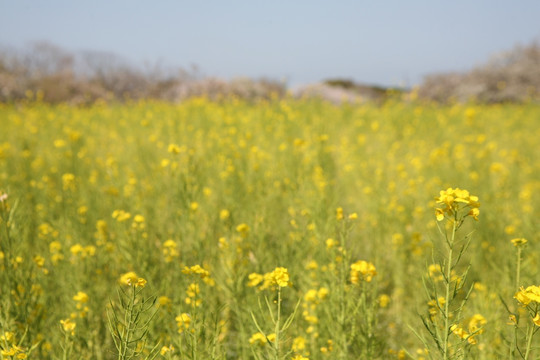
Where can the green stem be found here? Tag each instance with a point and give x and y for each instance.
(529, 342)
(67, 345)
(368, 314)
(447, 296)
(516, 286)
(276, 331)
(122, 355)
(342, 304)
(518, 269)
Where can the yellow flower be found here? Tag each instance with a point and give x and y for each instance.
(138, 219)
(9, 352)
(439, 214)
(141, 282)
(68, 325)
(166, 349)
(120, 215)
(299, 343)
(457, 330)
(131, 279)
(455, 200)
(435, 272)
(512, 320)
(173, 149)
(192, 290)
(81, 297)
(536, 319)
(196, 270)
(311, 296)
(330, 243)
(474, 213)
(170, 250)
(281, 276)
(323, 293)
(7, 337)
(255, 279)
(39, 260)
(243, 229)
(531, 294)
(384, 300)
(476, 323)
(519, 242)
(258, 339)
(68, 181)
(164, 301)
(183, 321)
(362, 270)
(224, 214)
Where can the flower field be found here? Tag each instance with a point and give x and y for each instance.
(280, 229)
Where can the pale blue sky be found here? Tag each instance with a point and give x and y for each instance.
(381, 42)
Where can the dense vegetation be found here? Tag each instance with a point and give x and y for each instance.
(273, 229)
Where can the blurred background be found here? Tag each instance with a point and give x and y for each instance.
(348, 50)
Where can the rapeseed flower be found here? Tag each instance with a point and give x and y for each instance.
(476, 324)
(170, 250)
(166, 349)
(454, 201)
(131, 279)
(81, 297)
(536, 319)
(68, 326)
(121, 215)
(224, 214)
(279, 277)
(528, 295)
(183, 321)
(299, 344)
(362, 271)
(243, 229)
(196, 270)
(255, 279)
(258, 339)
(519, 242)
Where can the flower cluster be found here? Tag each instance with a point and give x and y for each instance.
(279, 277)
(68, 326)
(193, 290)
(475, 327)
(528, 295)
(120, 215)
(201, 272)
(260, 339)
(454, 201)
(518, 242)
(9, 347)
(183, 322)
(131, 279)
(362, 271)
(81, 298)
(170, 250)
